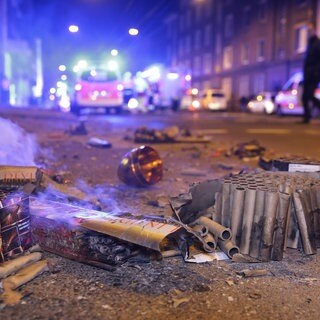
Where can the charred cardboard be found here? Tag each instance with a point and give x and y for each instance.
(75, 232)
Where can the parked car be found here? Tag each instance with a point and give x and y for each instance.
(262, 103)
(190, 100)
(289, 99)
(214, 100)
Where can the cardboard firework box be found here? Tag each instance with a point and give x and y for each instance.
(15, 232)
(93, 237)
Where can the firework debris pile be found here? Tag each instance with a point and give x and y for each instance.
(250, 216)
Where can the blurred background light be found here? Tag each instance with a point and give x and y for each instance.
(133, 32)
(73, 28)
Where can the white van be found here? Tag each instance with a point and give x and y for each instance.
(214, 100)
(289, 99)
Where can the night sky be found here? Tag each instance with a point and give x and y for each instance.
(103, 26)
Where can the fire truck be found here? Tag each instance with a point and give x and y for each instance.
(98, 88)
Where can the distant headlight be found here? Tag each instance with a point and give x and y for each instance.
(269, 107)
(196, 104)
(133, 103)
(120, 87)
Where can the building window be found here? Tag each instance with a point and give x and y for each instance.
(301, 39)
(218, 45)
(197, 66)
(188, 65)
(219, 13)
(198, 13)
(197, 39)
(181, 23)
(188, 19)
(283, 21)
(188, 44)
(261, 50)
(207, 35)
(181, 47)
(301, 2)
(208, 8)
(281, 53)
(227, 58)
(244, 54)
(228, 31)
(259, 83)
(246, 17)
(207, 63)
(262, 11)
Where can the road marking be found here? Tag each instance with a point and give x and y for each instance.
(268, 131)
(312, 132)
(212, 131)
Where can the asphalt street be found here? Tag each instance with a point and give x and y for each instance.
(169, 288)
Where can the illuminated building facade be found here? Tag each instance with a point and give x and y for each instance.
(241, 46)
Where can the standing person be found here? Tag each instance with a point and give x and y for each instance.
(311, 75)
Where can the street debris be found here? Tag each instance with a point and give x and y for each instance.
(11, 266)
(248, 273)
(168, 135)
(100, 143)
(245, 217)
(247, 150)
(10, 296)
(146, 231)
(194, 172)
(79, 129)
(264, 212)
(147, 135)
(141, 167)
(295, 164)
(179, 298)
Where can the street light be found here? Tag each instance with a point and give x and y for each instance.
(73, 28)
(62, 67)
(114, 52)
(133, 32)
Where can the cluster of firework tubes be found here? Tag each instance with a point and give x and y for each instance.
(261, 214)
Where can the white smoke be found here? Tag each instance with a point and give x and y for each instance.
(17, 148)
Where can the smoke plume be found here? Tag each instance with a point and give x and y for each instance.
(16, 146)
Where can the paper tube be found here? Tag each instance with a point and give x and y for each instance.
(228, 247)
(16, 264)
(210, 241)
(304, 226)
(315, 209)
(293, 234)
(200, 229)
(25, 275)
(216, 228)
(237, 213)
(269, 218)
(256, 231)
(281, 231)
(306, 194)
(225, 206)
(248, 213)
(217, 212)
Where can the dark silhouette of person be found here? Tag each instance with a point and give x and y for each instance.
(311, 76)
